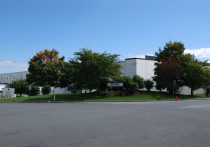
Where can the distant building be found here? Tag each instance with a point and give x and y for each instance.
(7, 78)
(143, 67)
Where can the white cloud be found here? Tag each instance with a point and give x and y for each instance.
(12, 64)
(202, 53)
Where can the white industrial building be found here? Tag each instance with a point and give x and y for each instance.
(143, 67)
(7, 78)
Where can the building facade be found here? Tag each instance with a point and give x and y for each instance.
(143, 67)
(7, 78)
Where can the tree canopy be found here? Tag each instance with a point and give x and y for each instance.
(92, 70)
(168, 68)
(19, 85)
(44, 68)
(194, 75)
(175, 69)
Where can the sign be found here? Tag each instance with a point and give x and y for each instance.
(8, 92)
(114, 84)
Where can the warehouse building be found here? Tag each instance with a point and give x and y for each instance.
(143, 67)
(7, 78)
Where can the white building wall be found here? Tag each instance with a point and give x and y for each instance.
(7, 78)
(187, 91)
(2, 86)
(128, 68)
(137, 66)
(59, 90)
(145, 68)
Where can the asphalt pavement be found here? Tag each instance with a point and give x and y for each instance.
(123, 124)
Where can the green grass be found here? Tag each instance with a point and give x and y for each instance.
(93, 98)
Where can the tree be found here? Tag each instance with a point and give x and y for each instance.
(129, 84)
(20, 86)
(33, 90)
(139, 80)
(91, 70)
(66, 75)
(175, 69)
(148, 84)
(44, 68)
(195, 75)
(46, 89)
(168, 67)
(171, 49)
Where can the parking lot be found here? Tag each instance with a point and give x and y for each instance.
(146, 124)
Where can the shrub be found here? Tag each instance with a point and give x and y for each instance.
(20, 86)
(139, 80)
(148, 84)
(46, 89)
(132, 88)
(33, 90)
(129, 84)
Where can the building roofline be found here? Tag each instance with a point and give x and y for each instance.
(134, 58)
(13, 72)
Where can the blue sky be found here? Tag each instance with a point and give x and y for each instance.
(130, 28)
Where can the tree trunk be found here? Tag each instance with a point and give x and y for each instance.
(192, 90)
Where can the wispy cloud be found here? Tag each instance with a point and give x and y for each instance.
(201, 53)
(12, 64)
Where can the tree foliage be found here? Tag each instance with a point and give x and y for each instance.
(20, 86)
(33, 90)
(139, 80)
(168, 67)
(175, 69)
(129, 84)
(148, 84)
(66, 75)
(44, 68)
(46, 89)
(91, 70)
(194, 74)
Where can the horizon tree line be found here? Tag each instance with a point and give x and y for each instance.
(91, 70)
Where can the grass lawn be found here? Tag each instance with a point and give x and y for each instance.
(93, 98)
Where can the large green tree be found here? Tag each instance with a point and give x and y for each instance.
(195, 74)
(45, 68)
(66, 74)
(93, 70)
(175, 69)
(168, 67)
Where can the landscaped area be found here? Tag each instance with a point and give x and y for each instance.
(94, 98)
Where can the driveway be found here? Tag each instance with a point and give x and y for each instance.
(123, 124)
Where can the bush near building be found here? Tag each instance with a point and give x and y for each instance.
(20, 86)
(148, 84)
(46, 89)
(33, 90)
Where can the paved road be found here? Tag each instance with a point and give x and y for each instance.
(152, 124)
